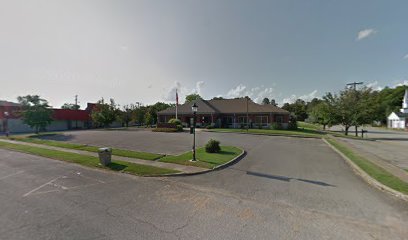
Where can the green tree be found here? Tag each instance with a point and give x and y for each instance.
(218, 98)
(323, 114)
(70, 106)
(266, 101)
(344, 107)
(365, 107)
(138, 115)
(105, 113)
(149, 120)
(273, 102)
(157, 107)
(126, 114)
(192, 97)
(298, 108)
(36, 112)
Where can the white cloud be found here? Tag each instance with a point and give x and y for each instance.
(199, 86)
(182, 91)
(365, 33)
(257, 94)
(374, 85)
(291, 99)
(306, 97)
(238, 91)
(405, 57)
(402, 83)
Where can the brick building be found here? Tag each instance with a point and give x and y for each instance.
(228, 113)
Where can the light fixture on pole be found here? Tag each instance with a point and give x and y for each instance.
(194, 108)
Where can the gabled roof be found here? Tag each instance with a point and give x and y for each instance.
(225, 106)
(9, 104)
(239, 105)
(203, 107)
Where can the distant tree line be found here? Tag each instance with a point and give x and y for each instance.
(350, 107)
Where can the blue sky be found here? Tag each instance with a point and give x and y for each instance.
(141, 51)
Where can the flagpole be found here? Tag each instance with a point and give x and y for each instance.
(176, 103)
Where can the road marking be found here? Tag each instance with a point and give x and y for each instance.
(91, 178)
(45, 184)
(19, 172)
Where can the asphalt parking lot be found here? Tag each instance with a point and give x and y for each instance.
(156, 142)
(285, 188)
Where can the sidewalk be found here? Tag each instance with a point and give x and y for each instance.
(384, 163)
(178, 167)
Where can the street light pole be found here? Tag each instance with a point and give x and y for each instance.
(247, 116)
(6, 128)
(194, 108)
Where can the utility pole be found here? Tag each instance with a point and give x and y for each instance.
(354, 84)
(76, 104)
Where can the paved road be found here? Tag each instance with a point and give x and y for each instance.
(390, 146)
(286, 188)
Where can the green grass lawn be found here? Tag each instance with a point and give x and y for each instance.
(89, 161)
(312, 126)
(299, 132)
(371, 169)
(205, 160)
(115, 151)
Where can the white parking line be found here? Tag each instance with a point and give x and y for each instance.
(45, 184)
(19, 172)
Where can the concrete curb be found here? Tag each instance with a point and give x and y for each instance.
(227, 164)
(268, 134)
(367, 177)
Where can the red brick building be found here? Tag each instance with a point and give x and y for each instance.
(64, 119)
(228, 113)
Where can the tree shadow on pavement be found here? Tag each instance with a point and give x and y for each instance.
(287, 179)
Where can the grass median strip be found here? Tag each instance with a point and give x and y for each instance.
(115, 151)
(205, 160)
(299, 132)
(371, 169)
(89, 161)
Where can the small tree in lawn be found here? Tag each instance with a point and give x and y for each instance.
(323, 114)
(36, 112)
(105, 113)
(148, 119)
(126, 114)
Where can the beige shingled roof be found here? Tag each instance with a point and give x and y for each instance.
(238, 105)
(203, 107)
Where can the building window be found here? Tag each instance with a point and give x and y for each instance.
(279, 119)
(242, 120)
(228, 120)
(261, 120)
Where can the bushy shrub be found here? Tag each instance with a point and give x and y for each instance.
(211, 126)
(212, 146)
(179, 128)
(292, 123)
(175, 121)
(276, 126)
